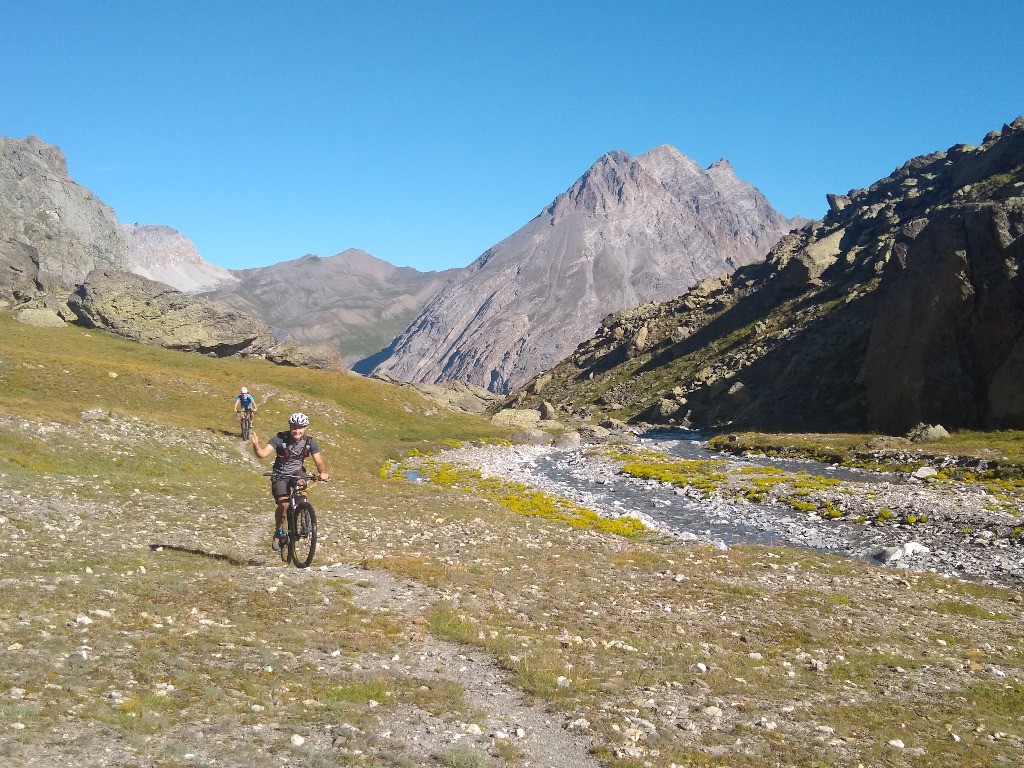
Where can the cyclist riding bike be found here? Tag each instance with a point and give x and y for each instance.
(292, 448)
(245, 402)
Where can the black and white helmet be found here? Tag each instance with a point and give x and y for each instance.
(298, 419)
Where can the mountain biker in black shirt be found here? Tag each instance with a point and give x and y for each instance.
(292, 447)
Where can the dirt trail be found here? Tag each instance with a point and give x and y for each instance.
(505, 713)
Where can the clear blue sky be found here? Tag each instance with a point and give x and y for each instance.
(424, 132)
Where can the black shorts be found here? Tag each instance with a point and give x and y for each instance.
(279, 486)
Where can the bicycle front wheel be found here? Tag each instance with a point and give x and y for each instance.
(246, 422)
(302, 534)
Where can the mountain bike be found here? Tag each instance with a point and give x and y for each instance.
(246, 422)
(301, 520)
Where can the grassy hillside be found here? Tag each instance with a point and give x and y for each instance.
(146, 622)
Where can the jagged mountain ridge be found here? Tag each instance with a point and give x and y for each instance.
(352, 299)
(905, 304)
(630, 230)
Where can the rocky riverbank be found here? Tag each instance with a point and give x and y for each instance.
(897, 520)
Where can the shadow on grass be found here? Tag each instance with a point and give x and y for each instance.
(211, 555)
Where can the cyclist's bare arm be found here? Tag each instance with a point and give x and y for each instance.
(263, 451)
(320, 468)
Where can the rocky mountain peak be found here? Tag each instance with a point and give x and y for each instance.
(613, 181)
(352, 300)
(628, 231)
(50, 155)
(162, 253)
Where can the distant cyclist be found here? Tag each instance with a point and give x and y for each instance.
(244, 402)
(292, 448)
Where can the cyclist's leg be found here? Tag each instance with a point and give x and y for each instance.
(279, 490)
(279, 513)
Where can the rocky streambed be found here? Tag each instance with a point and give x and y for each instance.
(955, 529)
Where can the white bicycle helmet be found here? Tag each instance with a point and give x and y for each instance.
(245, 391)
(298, 419)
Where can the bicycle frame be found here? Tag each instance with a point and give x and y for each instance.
(298, 508)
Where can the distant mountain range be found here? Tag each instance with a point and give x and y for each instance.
(351, 299)
(629, 231)
(905, 304)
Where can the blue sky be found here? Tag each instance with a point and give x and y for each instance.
(425, 132)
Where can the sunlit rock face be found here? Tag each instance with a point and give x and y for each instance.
(629, 231)
(53, 231)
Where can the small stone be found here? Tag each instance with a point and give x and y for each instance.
(297, 740)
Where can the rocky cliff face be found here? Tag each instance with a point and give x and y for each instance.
(53, 232)
(352, 300)
(162, 253)
(904, 305)
(630, 230)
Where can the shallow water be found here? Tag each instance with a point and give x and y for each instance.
(687, 444)
(687, 513)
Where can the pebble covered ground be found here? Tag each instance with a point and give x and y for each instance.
(147, 628)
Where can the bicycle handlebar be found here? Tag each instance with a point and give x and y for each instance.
(304, 476)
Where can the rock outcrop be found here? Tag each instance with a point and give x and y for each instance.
(161, 253)
(628, 231)
(352, 300)
(904, 305)
(456, 395)
(53, 232)
(153, 313)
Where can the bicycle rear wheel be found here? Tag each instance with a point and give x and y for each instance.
(302, 534)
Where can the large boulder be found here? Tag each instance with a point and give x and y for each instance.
(324, 357)
(153, 313)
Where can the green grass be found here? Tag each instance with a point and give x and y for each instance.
(121, 519)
